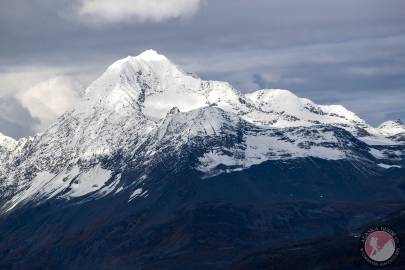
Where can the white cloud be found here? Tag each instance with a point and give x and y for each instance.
(30, 101)
(14, 81)
(137, 10)
(49, 99)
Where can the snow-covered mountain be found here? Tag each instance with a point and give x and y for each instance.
(144, 109)
(391, 128)
(157, 169)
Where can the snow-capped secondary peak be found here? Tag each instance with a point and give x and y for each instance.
(282, 108)
(390, 128)
(277, 99)
(280, 100)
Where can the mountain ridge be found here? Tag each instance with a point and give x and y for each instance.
(142, 103)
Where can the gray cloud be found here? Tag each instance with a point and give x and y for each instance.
(331, 52)
(15, 120)
(136, 10)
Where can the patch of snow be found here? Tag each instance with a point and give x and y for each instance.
(377, 140)
(89, 181)
(107, 189)
(37, 184)
(261, 148)
(119, 190)
(215, 158)
(386, 166)
(258, 148)
(45, 185)
(377, 153)
(139, 192)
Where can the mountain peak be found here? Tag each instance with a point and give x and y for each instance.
(131, 79)
(151, 55)
(392, 127)
(397, 122)
(146, 58)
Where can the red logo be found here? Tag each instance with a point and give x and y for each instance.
(380, 246)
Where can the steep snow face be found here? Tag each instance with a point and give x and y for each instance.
(152, 82)
(390, 128)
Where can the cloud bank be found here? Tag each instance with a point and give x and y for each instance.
(50, 99)
(137, 10)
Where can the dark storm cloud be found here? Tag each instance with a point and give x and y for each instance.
(349, 52)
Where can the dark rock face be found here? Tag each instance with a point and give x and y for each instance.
(187, 222)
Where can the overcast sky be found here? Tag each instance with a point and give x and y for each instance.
(349, 52)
